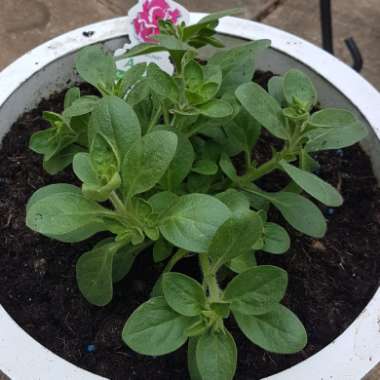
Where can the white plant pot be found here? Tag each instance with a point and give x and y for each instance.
(48, 68)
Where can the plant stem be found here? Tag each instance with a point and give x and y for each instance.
(209, 278)
(180, 254)
(166, 115)
(155, 119)
(117, 203)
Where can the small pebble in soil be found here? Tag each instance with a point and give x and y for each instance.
(339, 152)
(329, 211)
(90, 348)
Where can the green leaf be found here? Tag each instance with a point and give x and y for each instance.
(138, 93)
(161, 250)
(65, 215)
(278, 331)
(300, 213)
(155, 329)
(116, 120)
(218, 15)
(162, 201)
(243, 262)
(205, 167)
(94, 274)
(234, 200)
(276, 89)
(62, 159)
(162, 83)
(235, 237)
(215, 108)
(192, 221)
(276, 239)
(242, 134)
(71, 96)
(183, 294)
(48, 190)
(257, 290)
(81, 106)
(131, 77)
(171, 43)
(216, 356)
(228, 168)
(96, 67)
(141, 49)
(147, 161)
(238, 63)
(192, 359)
(123, 260)
(181, 164)
(263, 108)
(298, 86)
(83, 169)
(334, 129)
(193, 74)
(313, 185)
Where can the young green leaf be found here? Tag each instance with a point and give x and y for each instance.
(65, 215)
(243, 262)
(124, 258)
(147, 161)
(216, 109)
(334, 129)
(278, 331)
(181, 164)
(263, 108)
(81, 106)
(228, 168)
(116, 120)
(161, 250)
(276, 239)
(62, 159)
(141, 49)
(257, 290)
(300, 213)
(216, 355)
(94, 274)
(155, 329)
(96, 67)
(191, 222)
(298, 86)
(276, 89)
(162, 83)
(205, 167)
(71, 96)
(234, 200)
(162, 201)
(183, 294)
(235, 237)
(313, 185)
(192, 359)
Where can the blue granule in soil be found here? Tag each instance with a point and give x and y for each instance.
(90, 348)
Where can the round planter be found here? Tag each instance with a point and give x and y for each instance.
(49, 67)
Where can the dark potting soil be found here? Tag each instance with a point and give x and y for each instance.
(331, 279)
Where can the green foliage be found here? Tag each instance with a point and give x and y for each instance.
(167, 161)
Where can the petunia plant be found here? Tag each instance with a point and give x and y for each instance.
(156, 155)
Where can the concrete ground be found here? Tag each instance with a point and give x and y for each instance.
(25, 24)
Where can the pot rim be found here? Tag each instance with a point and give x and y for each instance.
(349, 356)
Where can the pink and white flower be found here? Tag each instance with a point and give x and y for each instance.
(146, 21)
